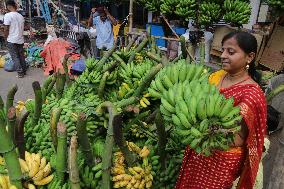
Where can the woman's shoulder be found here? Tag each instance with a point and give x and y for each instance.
(216, 77)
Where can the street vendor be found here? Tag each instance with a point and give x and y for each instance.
(238, 79)
(103, 21)
(13, 33)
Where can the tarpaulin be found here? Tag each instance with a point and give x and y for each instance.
(54, 52)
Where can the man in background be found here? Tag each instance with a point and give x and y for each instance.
(13, 31)
(103, 21)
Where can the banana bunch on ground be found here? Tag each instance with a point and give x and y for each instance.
(209, 12)
(186, 9)
(279, 4)
(91, 177)
(98, 147)
(204, 118)
(140, 70)
(36, 168)
(175, 73)
(137, 132)
(57, 183)
(139, 58)
(168, 6)
(144, 102)
(237, 11)
(5, 182)
(124, 90)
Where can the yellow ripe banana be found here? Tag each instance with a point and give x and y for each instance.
(46, 170)
(142, 103)
(24, 166)
(2, 161)
(31, 186)
(144, 152)
(126, 86)
(146, 95)
(149, 184)
(146, 101)
(34, 167)
(118, 170)
(142, 184)
(28, 159)
(119, 177)
(37, 158)
(38, 176)
(42, 163)
(3, 182)
(12, 187)
(44, 181)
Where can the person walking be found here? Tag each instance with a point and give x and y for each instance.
(14, 29)
(238, 79)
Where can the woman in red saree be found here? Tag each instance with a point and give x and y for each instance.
(222, 168)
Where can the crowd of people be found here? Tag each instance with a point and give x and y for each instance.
(237, 78)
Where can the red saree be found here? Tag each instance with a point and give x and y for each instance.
(221, 169)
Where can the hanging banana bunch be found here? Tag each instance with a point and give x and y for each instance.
(209, 12)
(168, 6)
(237, 11)
(186, 9)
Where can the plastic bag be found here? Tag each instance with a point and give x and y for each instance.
(2, 61)
(10, 66)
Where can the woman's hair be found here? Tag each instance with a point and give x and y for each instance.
(11, 3)
(248, 43)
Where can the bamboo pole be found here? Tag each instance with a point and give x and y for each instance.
(7, 149)
(83, 139)
(38, 103)
(61, 156)
(73, 165)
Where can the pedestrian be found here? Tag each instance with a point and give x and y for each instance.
(103, 24)
(238, 79)
(14, 29)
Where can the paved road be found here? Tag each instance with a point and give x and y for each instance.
(25, 91)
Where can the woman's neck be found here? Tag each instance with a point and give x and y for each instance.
(237, 76)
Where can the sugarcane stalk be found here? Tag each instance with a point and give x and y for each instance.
(131, 42)
(10, 97)
(83, 139)
(38, 103)
(60, 84)
(105, 57)
(7, 149)
(138, 49)
(107, 156)
(154, 57)
(148, 78)
(183, 47)
(11, 123)
(162, 139)
(65, 67)
(54, 118)
(121, 142)
(102, 84)
(20, 139)
(61, 155)
(73, 165)
(274, 92)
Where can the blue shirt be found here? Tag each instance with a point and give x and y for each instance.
(104, 33)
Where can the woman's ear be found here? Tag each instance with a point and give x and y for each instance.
(250, 57)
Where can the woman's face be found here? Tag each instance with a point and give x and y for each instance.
(233, 58)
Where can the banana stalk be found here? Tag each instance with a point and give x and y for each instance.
(7, 148)
(61, 155)
(121, 142)
(202, 51)
(11, 115)
(111, 67)
(50, 87)
(183, 47)
(274, 92)
(45, 87)
(131, 42)
(1, 104)
(38, 103)
(154, 57)
(118, 59)
(138, 49)
(126, 102)
(162, 139)
(176, 59)
(107, 156)
(10, 97)
(65, 67)
(20, 140)
(153, 45)
(60, 84)
(102, 84)
(83, 139)
(54, 118)
(147, 80)
(73, 165)
(105, 57)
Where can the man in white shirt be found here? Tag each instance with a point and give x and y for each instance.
(14, 29)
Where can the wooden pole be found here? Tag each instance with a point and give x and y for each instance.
(130, 15)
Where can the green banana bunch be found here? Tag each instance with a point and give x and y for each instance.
(209, 12)
(278, 4)
(151, 5)
(237, 11)
(57, 183)
(168, 6)
(186, 9)
(176, 73)
(91, 177)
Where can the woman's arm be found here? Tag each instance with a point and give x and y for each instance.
(111, 18)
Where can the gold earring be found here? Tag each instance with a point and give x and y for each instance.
(247, 66)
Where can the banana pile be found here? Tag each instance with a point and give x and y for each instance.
(186, 9)
(5, 183)
(57, 183)
(91, 177)
(279, 4)
(176, 73)
(209, 12)
(202, 116)
(132, 177)
(168, 6)
(37, 168)
(237, 11)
